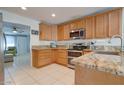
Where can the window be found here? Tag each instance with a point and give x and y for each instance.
(10, 40)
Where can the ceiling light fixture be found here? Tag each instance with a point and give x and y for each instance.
(23, 8)
(53, 15)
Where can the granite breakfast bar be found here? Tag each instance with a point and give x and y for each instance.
(100, 69)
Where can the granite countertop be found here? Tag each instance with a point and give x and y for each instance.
(46, 47)
(102, 62)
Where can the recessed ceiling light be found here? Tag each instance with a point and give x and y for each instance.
(53, 15)
(23, 8)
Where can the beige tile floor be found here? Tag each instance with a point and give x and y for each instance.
(20, 72)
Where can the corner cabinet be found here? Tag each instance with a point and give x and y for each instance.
(115, 22)
(42, 57)
(48, 32)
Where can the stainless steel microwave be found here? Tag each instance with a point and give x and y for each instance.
(77, 34)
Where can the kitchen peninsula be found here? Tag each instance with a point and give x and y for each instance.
(96, 68)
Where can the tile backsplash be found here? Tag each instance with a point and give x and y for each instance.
(98, 42)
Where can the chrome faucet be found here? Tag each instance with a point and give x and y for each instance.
(117, 36)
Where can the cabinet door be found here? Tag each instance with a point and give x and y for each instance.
(45, 32)
(101, 30)
(114, 22)
(90, 27)
(43, 29)
(62, 61)
(73, 25)
(62, 57)
(53, 55)
(60, 32)
(34, 58)
(81, 24)
(54, 32)
(66, 32)
(49, 32)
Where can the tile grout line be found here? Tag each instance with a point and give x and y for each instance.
(32, 77)
(11, 76)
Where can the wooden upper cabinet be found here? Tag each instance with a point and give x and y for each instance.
(81, 24)
(73, 25)
(48, 32)
(78, 24)
(101, 26)
(66, 31)
(60, 32)
(54, 32)
(115, 22)
(90, 27)
(43, 31)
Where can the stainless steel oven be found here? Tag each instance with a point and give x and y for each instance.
(71, 55)
(76, 50)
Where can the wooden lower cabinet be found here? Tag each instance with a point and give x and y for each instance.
(54, 57)
(62, 57)
(60, 32)
(62, 61)
(41, 57)
(47, 56)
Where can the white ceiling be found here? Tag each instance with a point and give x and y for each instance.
(62, 13)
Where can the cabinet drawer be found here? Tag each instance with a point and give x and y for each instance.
(42, 57)
(62, 61)
(62, 55)
(45, 55)
(42, 61)
(62, 51)
(45, 51)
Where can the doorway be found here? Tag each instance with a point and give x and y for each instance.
(17, 42)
